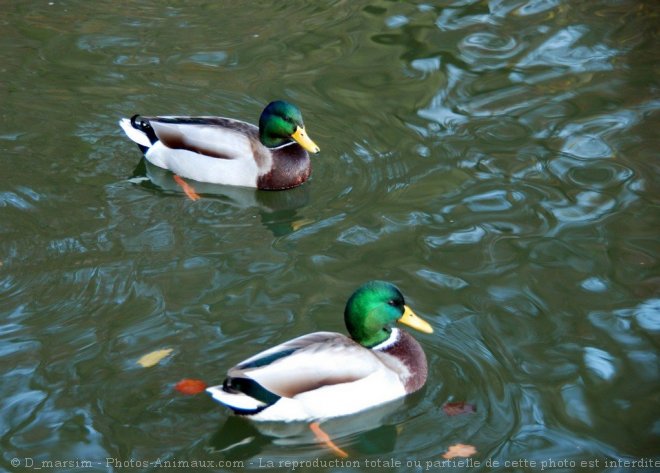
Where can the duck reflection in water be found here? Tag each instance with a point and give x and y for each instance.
(278, 210)
(374, 431)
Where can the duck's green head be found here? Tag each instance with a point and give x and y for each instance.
(281, 122)
(374, 308)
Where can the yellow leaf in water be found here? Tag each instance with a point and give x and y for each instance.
(151, 359)
(298, 224)
(459, 450)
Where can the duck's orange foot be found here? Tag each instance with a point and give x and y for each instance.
(187, 188)
(324, 438)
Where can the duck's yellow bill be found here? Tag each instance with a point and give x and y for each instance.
(303, 140)
(413, 320)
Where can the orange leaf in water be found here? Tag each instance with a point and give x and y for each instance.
(151, 359)
(456, 408)
(459, 450)
(190, 386)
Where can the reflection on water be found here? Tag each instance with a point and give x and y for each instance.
(277, 209)
(497, 160)
(368, 432)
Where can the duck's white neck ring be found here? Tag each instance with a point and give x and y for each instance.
(289, 143)
(391, 340)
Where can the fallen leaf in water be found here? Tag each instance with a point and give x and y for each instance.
(457, 408)
(298, 224)
(151, 359)
(190, 386)
(459, 450)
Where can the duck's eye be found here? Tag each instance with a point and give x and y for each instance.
(392, 302)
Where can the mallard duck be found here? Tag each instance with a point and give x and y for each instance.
(227, 151)
(324, 374)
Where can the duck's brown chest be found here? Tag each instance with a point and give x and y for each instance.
(409, 352)
(291, 167)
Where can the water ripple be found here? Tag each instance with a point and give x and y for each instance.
(443, 280)
(460, 237)
(487, 50)
(600, 362)
(584, 207)
(561, 50)
(647, 315)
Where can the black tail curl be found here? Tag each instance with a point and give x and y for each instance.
(141, 123)
(251, 388)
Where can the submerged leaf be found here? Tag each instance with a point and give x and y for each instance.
(459, 450)
(190, 386)
(153, 358)
(457, 408)
(298, 224)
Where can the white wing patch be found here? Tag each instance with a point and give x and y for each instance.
(191, 165)
(221, 141)
(336, 400)
(321, 359)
